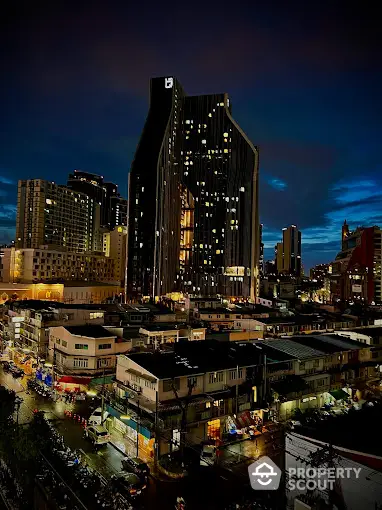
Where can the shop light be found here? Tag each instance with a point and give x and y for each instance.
(125, 417)
(91, 393)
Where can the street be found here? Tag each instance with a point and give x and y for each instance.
(203, 488)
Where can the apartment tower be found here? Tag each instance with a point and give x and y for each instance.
(193, 199)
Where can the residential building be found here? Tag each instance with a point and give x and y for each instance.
(321, 272)
(310, 371)
(81, 353)
(114, 247)
(279, 258)
(217, 389)
(26, 323)
(47, 265)
(196, 168)
(113, 208)
(356, 275)
(51, 214)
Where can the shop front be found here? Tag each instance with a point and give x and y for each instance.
(246, 424)
(135, 439)
(72, 384)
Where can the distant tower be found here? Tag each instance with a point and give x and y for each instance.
(345, 231)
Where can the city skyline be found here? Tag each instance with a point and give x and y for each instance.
(305, 93)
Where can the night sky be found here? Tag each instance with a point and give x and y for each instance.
(305, 85)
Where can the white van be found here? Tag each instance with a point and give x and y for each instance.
(96, 417)
(208, 455)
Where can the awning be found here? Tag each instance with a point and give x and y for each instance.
(100, 381)
(74, 380)
(339, 394)
(244, 420)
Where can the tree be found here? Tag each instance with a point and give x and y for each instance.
(183, 404)
(7, 406)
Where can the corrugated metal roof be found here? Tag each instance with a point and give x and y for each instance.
(294, 349)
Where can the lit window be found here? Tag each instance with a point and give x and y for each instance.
(216, 240)
(221, 104)
(217, 252)
(48, 201)
(225, 135)
(232, 222)
(200, 246)
(205, 262)
(225, 151)
(242, 189)
(141, 245)
(210, 114)
(207, 204)
(204, 142)
(214, 230)
(143, 189)
(187, 121)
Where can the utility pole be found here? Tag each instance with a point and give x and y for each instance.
(237, 390)
(103, 396)
(138, 427)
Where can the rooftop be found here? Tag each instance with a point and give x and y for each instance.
(293, 349)
(37, 305)
(90, 331)
(164, 326)
(198, 358)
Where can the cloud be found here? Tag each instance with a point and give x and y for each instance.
(277, 184)
(5, 180)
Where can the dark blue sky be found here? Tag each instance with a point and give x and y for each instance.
(305, 84)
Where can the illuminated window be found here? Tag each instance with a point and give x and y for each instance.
(48, 201)
(217, 252)
(200, 246)
(207, 204)
(221, 104)
(232, 222)
(242, 189)
(210, 114)
(205, 262)
(214, 230)
(225, 135)
(225, 151)
(204, 142)
(187, 121)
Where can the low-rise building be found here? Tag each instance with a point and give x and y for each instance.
(26, 323)
(81, 353)
(306, 371)
(200, 389)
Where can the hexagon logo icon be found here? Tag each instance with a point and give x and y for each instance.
(264, 475)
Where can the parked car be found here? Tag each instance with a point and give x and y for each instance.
(137, 466)
(128, 484)
(97, 434)
(208, 455)
(96, 417)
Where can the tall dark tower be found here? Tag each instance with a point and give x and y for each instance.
(154, 195)
(193, 199)
(220, 168)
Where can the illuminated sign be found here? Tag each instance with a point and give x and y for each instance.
(168, 83)
(234, 271)
(357, 288)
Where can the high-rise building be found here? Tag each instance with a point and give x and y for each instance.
(50, 214)
(288, 252)
(261, 255)
(113, 208)
(356, 274)
(279, 258)
(292, 250)
(193, 199)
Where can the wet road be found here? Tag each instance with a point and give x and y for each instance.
(206, 488)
